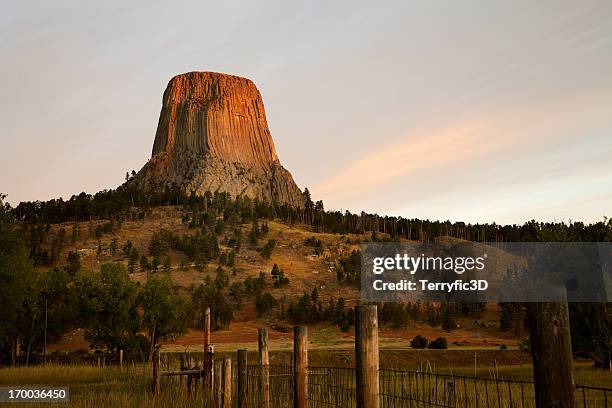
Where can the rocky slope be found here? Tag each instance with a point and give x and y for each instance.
(213, 135)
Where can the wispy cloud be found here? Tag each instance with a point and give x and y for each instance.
(484, 166)
(416, 155)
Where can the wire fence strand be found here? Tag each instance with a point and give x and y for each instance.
(336, 387)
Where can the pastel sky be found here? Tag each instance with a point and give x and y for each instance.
(473, 111)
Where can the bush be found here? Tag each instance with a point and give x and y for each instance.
(503, 347)
(439, 344)
(448, 322)
(278, 276)
(316, 244)
(418, 342)
(345, 326)
(524, 345)
(267, 249)
(265, 303)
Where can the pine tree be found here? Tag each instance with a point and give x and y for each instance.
(167, 265)
(74, 263)
(144, 264)
(254, 234)
(114, 245)
(266, 251)
(132, 260)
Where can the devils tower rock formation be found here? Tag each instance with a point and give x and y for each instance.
(213, 135)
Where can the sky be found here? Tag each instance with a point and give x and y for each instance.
(475, 111)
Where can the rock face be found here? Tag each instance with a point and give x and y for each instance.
(213, 135)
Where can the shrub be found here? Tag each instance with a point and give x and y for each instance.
(345, 326)
(439, 344)
(418, 342)
(265, 303)
(267, 249)
(524, 345)
(278, 276)
(448, 321)
(316, 244)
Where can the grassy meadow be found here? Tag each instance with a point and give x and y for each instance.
(100, 387)
(91, 386)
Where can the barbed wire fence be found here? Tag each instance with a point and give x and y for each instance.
(336, 387)
(240, 384)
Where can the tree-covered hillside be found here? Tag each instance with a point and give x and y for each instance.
(98, 264)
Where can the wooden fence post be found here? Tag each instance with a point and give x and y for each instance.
(121, 360)
(218, 384)
(227, 383)
(210, 375)
(450, 393)
(206, 337)
(156, 369)
(551, 351)
(300, 366)
(264, 369)
(242, 378)
(366, 350)
(182, 366)
(208, 362)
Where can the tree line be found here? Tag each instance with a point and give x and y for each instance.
(128, 202)
(115, 312)
(211, 212)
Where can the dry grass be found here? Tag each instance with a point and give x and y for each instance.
(109, 387)
(92, 387)
(305, 271)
